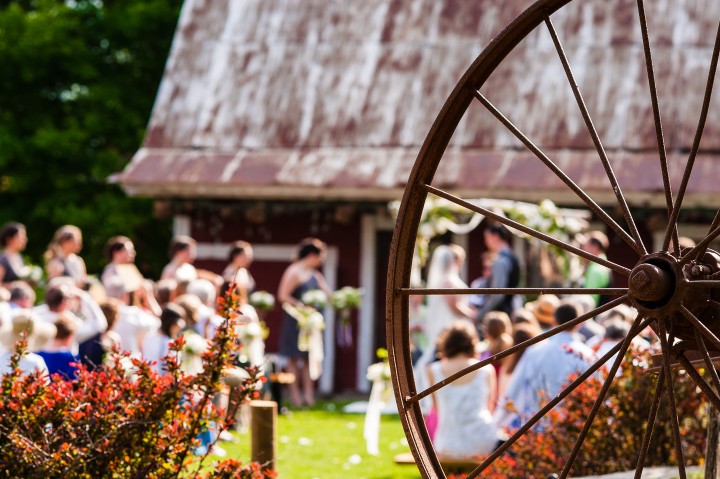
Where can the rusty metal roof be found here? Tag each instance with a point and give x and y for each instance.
(332, 99)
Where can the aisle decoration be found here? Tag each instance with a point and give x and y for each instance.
(194, 346)
(311, 324)
(380, 394)
(344, 301)
(251, 335)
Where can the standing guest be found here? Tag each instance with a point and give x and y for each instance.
(183, 251)
(543, 308)
(521, 332)
(241, 257)
(300, 277)
(119, 250)
(597, 275)
(59, 299)
(505, 272)
(134, 322)
(13, 239)
(58, 355)
(156, 346)
(478, 300)
(465, 425)
(61, 257)
(208, 321)
(497, 328)
(92, 351)
(543, 369)
(165, 291)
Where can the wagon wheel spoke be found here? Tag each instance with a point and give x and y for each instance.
(650, 427)
(656, 115)
(529, 231)
(534, 291)
(634, 331)
(550, 405)
(596, 138)
(514, 349)
(715, 223)
(699, 381)
(559, 173)
(700, 326)
(708, 362)
(672, 223)
(701, 245)
(672, 407)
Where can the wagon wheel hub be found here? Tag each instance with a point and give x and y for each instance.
(660, 286)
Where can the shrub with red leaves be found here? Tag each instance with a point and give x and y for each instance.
(615, 438)
(121, 422)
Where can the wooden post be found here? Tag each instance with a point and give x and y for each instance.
(711, 452)
(263, 433)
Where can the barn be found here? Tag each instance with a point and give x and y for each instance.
(281, 119)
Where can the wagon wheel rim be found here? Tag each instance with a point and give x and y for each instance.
(666, 308)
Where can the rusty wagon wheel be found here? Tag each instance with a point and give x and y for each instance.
(672, 290)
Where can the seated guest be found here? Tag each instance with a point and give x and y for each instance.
(543, 370)
(58, 355)
(465, 424)
(22, 295)
(37, 333)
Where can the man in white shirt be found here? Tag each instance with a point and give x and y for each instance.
(543, 370)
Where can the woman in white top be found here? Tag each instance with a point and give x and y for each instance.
(465, 423)
(156, 346)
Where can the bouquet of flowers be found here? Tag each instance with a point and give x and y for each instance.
(262, 300)
(345, 300)
(315, 298)
(378, 372)
(311, 323)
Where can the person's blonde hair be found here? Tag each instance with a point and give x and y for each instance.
(63, 234)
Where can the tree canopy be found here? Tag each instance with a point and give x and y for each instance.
(78, 81)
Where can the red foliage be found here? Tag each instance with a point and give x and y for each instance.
(120, 423)
(614, 440)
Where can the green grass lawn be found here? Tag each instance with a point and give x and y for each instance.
(325, 443)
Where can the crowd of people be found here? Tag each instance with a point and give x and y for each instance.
(82, 318)
(473, 415)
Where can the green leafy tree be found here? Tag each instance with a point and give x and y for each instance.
(78, 81)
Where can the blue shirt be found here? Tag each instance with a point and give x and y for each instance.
(58, 362)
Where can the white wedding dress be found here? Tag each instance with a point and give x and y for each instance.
(465, 424)
(443, 273)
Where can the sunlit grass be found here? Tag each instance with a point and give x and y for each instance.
(325, 443)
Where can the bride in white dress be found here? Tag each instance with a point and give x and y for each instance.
(465, 425)
(442, 310)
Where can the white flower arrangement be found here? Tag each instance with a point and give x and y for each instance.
(262, 300)
(251, 331)
(315, 298)
(346, 298)
(378, 372)
(195, 345)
